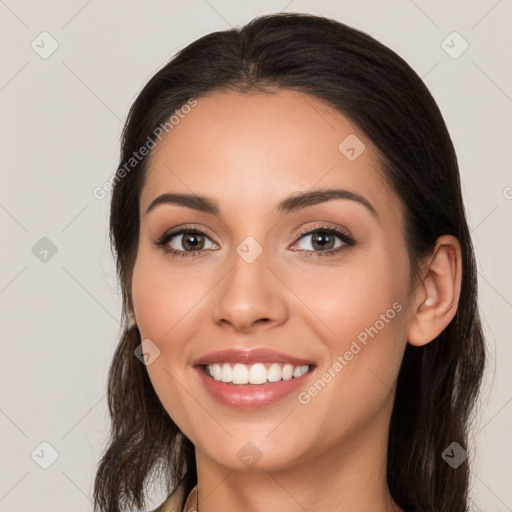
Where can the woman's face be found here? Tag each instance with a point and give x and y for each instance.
(253, 276)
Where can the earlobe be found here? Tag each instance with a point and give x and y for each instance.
(438, 293)
(131, 320)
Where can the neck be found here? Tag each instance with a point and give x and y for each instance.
(339, 478)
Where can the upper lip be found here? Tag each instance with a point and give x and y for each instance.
(258, 355)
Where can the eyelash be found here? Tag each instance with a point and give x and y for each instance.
(347, 240)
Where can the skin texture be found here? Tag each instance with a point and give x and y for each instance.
(248, 152)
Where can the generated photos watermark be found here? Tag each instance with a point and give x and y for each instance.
(342, 360)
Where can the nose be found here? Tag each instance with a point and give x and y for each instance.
(250, 296)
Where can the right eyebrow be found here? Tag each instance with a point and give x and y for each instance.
(201, 203)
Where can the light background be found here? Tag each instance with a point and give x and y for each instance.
(61, 119)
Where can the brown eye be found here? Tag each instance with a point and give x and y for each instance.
(185, 242)
(323, 240)
(191, 241)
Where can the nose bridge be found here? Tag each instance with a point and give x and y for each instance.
(249, 292)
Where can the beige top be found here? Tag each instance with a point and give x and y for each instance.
(171, 503)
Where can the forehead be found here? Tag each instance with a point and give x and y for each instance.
(253, 149)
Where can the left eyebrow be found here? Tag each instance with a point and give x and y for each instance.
(292, 203)
(313, 197)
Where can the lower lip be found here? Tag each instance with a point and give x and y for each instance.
(250, 396)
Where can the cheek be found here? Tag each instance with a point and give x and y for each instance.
(364, 307)
(163, 301)
(361, 313)
(153, 299)
(163, 297)
(355, 296)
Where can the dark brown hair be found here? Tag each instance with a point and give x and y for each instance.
(370, 84)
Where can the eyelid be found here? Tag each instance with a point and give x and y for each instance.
(342, 233)
(339, 232)
(187, 227)
(325, 226)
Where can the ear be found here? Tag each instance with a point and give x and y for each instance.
(437, 295)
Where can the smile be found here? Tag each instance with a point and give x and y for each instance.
(253, 386)
(259, 373)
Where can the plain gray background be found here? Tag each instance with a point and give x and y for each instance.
(61, 119)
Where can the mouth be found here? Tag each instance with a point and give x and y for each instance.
(253, 386)
(254, 374)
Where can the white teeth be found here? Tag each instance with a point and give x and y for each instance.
(227, 373)
(240, 374)
(287, 372)
(256, 373)
(274, 373)
(297, 372)
(217, 371)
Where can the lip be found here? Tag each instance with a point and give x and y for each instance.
(251, 396)
(257, 355)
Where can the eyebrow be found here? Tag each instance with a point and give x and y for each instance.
(292, 203)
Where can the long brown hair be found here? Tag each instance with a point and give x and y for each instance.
(366, 81)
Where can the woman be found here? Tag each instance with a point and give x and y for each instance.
(301, 329)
